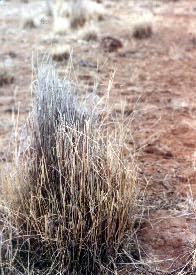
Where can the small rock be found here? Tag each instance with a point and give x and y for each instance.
(86, 64)
(111, 44)
(179, 103)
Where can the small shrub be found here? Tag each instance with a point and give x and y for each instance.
(70, 202)
(77, 13)
(142, 25)
(192, 32)
(60, 53)
(6, 78)
(90, 34)
(29, 23)
(49, 7)
(142, 30)
(84, 11)
(61, 25)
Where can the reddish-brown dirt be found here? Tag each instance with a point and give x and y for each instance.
(155, 80)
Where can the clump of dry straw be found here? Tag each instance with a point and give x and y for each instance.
(70, 202)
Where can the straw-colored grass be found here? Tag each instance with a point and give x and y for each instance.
(69, 202)
(60, 53)
(75, 14)
(90, 33)
(143, 25)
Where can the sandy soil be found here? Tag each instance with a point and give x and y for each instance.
(154, 79)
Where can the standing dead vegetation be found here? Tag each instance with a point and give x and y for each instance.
(6, 77)
(142, 31)
(143, 26)
(73, 15)
(70, 202)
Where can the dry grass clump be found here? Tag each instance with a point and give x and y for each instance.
(29, 23)
(61, 8)
(49, 8)
(89, 34)
(70, 202)
(6, 77)
(79, 14)
(61, 25)
(75, 14)
(192, 32)
(143, 25)
(84, 11)
(142, 30)
(60, 53)
(61, 12)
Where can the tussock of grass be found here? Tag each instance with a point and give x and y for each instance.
(70, 202)
(89, 34)
(75, 14)
(79, 14)
(60, 53)
(192, 32)
(61, 26)
(143, 25)
(84, 11)
(29, 23)
(142, 30)
(49, 9)
(6, 77)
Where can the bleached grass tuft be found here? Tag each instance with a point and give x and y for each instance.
(75, 14)
(192, 31)
(71, 200)
(29, 23)
(90, 33)
(60, 52)
(61, 25)
(143, 26)
(6, 77)
(85, 11)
